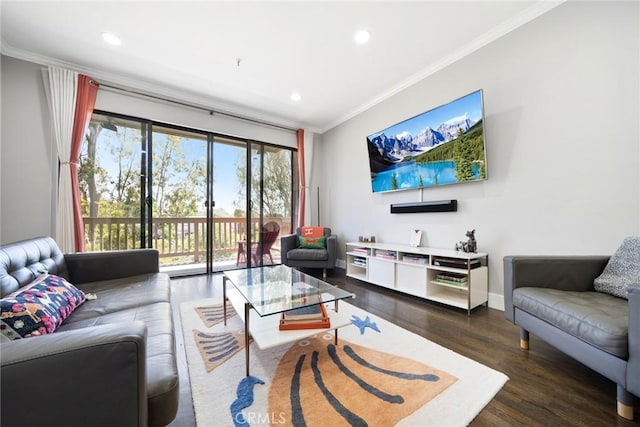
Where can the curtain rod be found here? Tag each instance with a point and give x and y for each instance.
(185, 104)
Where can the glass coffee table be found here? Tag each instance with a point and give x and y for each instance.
(266, 292)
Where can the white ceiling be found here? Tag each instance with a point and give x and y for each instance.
(189, 50)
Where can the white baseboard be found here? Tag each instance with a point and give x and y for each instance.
(340, 263)
(496, 301)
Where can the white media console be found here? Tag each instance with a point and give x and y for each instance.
(450, 277)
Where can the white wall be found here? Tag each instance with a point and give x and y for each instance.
(28, 165)
(562, 138)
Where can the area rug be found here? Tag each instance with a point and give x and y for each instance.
(378, 375)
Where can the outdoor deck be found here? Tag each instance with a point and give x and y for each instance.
(181, 242)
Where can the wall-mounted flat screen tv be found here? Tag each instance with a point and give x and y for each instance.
(441, 146)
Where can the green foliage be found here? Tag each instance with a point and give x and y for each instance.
(462, 156)
(466, 150)
(276, 182)
(178, 183)
(110, 183)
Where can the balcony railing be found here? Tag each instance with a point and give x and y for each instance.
(178, 240)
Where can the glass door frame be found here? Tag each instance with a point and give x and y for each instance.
(249, 196)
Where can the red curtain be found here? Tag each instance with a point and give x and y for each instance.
(85, 102)
(303, 184)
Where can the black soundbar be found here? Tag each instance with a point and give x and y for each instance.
(435, 206)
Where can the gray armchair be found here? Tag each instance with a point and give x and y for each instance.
(554, 298)
(293, 256)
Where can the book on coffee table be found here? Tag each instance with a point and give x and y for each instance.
(310, 312)
(309, 317)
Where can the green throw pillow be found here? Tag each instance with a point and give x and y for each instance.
(312, 242)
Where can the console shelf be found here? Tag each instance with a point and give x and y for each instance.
(458, 279)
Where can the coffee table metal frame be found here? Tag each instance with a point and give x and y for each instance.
(267, 291)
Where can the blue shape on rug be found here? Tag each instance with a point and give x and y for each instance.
(244, 399)
(366, 323)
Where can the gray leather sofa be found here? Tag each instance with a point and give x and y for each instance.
(554, 298)
(112, 362)
(293, 256)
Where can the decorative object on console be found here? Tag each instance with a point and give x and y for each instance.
(445, 145)
(433, 206)
(368, 238)
(471, 245)
(416, 236)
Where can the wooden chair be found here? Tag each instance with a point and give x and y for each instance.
(268, 237)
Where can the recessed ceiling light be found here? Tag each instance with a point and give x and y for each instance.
(295, 96)
(112, 39)
(362, 36)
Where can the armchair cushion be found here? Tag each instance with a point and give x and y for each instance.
(39, 308)
(295, 256)
(301, 254)
(622, 270)
(585, 315)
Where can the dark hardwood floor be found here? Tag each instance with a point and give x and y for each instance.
(545, 387)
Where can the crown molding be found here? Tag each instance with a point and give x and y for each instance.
(157, 90)
(141, 87)
(495, 33)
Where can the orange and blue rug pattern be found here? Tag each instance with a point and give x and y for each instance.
(319, 383)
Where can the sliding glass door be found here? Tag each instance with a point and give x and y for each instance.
(229, 245)
(177, 223)
(207, 202)
(112, 174)
(271, 188)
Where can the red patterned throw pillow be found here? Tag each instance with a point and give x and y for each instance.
(39, 308)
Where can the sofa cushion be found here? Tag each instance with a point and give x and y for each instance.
(39, 308)
(308, 254)
(122, 294)
(162, 374)
(622, 270)
(594, 317)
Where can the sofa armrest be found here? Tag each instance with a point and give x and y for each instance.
(88, 267)
(287, 243)
(633, 365)
(91, 376)
(568, 273)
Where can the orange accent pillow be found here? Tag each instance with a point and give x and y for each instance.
(312, 232)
